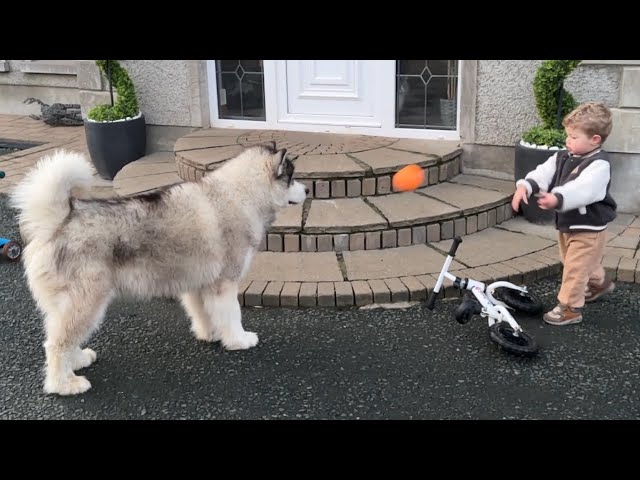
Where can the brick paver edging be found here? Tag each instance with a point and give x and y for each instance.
(416, 288)
(391, 290)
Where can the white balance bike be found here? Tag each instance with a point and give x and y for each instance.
(492, 301)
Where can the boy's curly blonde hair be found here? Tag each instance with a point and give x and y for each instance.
(592, 118)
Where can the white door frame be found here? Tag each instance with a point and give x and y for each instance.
(275, 92)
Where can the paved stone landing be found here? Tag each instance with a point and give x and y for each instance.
(332, 165)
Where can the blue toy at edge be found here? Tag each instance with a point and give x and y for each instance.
(10, 249)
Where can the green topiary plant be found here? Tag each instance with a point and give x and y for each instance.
(126, 105)
(553, 102)
(116, 133)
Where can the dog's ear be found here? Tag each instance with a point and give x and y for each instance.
(282, 154)
(271, 145)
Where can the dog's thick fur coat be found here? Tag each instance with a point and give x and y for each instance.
(194, 241)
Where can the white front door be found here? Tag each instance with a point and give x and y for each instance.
(336, 96)
(330, 92)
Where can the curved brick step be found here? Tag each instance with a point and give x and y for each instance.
(516, 251)
(331, 165)
(464, 205)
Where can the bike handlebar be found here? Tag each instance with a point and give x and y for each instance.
(454, 246)
(452, 253)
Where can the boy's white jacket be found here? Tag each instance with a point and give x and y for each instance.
(582, 187)
(587, 188)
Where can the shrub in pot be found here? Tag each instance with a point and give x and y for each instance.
(116, 133)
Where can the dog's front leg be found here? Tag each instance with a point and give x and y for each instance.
(221, 303)
(200, 320)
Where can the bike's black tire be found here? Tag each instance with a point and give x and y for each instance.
(523, 344)
(527, 303)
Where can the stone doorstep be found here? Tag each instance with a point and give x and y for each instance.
(340, 185)
(326, 185)
(187, 144)
(316, 143)
(285, 234)
(370, 175)
(218, 132)
(207, 159)
(432, 204)
(442, 148)
(322, 185)
(385, 160)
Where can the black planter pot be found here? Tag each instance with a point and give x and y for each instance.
(112, 145)
(527, 159)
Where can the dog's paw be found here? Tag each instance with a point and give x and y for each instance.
(72, 385)
(83, 358)
(241, 342)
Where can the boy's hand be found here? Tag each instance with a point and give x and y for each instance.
(521, 194)
(547, 201)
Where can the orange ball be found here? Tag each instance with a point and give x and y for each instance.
(408, 178)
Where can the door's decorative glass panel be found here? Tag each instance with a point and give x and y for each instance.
(240, 89)
(426, 94)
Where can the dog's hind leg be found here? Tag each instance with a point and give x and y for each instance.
(68, 326)
(221, 303)
(201, 325)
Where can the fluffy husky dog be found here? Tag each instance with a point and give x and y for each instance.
(194, 241)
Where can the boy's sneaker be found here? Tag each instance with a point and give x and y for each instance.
(594, 292)
(563, 315)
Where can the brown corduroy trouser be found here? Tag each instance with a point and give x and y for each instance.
(580, 253)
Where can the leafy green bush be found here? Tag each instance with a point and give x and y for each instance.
(547, 83)
(126, 104)
(545, 136)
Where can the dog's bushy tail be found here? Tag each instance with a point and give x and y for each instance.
(42, 197)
